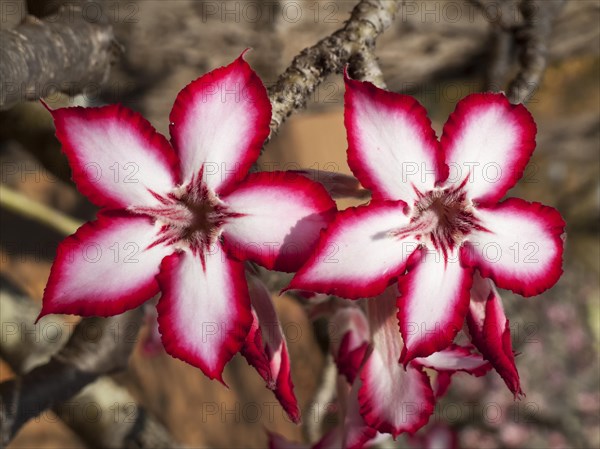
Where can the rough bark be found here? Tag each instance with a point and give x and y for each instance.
(293, 87)
(63, 53)
(532, 40)
(523, 27)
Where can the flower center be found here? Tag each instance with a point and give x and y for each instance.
(203, 217)
(442, 218)
(190, 216)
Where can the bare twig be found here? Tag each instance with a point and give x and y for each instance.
(532, 39)
(65, 53)
(367, 21)
(530, 32)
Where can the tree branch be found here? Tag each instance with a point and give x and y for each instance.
(532, 39)
(63, 53)
(368, 20)
(530, 33)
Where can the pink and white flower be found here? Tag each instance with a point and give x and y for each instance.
(181, 217)
(395, 399)
(434, 217)
(382, 397)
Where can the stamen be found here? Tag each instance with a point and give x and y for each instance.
(443, 218)
(191, 216)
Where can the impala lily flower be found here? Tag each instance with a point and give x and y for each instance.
(395, 399)
(434, 216)
(181, 219)
(381, 397)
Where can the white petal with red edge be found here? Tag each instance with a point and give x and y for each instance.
(278, 219)
(357, 256)
(521, 247)
(433, 302)
(490, 331)
(349, 339)
(487, 141)
(117, 158)
(266, 348)
(204, 311)
(107, 267)
(219, 123)
(253, 351)
(392, 148)
(392, 399)
(455, 358)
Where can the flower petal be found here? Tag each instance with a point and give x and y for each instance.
(456, 358)
(349, 340)
(117, 247)
(392, 148)
(490, 331)
(392, 399)
(352, 432)
(278, 219)
(219, 123)
(433, 303)
(356, 433)
(204, 311)
(266, 349)
(521, 247)
(487, 143)
(117, 158)
(357, 256)
(441, 383)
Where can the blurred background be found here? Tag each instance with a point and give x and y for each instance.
(438, 51)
